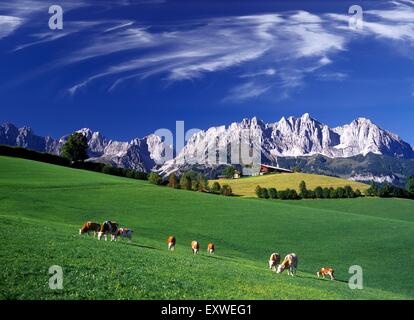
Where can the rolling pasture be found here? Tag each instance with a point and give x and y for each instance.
(42, 207)
(246, 186)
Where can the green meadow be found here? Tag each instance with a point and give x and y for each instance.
(42, 207)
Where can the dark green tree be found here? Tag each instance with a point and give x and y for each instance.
(296, 169)
(226, 190)
(409, 185)
(155, 178)
(349, 193)
(215, 188)
(75, 148)
(303, 191)
(340, 192)
(311, 194)
(229, 172)
(141, 175)
(185, 182)
(188, 180)
(318, 192)
(265, 193)
(372, 190)
(129, 173)
(172, 181)
(333, 193)
(292, 194)
(272, 193)
(283, 194)
(202, 182)
(258, 191)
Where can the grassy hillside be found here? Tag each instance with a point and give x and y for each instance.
(42, 206)
(246, 186)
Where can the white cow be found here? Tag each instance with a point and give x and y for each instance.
(290, 262)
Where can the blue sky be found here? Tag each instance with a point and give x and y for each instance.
(127, 68)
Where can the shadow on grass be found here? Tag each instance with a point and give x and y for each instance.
(137, 245)
(321, 279)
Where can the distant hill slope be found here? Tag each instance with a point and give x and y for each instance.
(246, 186)
(47, 204)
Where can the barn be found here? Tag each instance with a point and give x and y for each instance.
(267, 169)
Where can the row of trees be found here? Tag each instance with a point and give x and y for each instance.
(304, 193)
(272, 193)
(191, 180)
(387, 190)
(328, 193)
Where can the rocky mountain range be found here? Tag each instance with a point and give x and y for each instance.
(138, 154)
(288, 139)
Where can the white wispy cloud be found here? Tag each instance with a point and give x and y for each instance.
(266, 72)
(8, 24)
(247, 90)
(15, 14)
(273, 52)
(396, 22)
(215, 45)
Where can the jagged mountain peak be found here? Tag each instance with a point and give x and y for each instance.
(292, 136)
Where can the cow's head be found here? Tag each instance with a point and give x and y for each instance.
(280, 268)
(80, 231)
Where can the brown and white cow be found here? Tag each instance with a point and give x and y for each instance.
(326, 271)
(274, 260)
(108, 227)
(210, 248)
(90, 226)
(171, 243)
(290, 263)
(195, 246)
(125, 233)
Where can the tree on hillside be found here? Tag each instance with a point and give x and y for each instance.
(318, 192)
(292, 194)
(333, 193)
(215, 188)
(265, 193)
(185, 182)
(303, 191)
(349, 192)
(172, 181)
(326, 193)
(75, 148)
(188, 179)
(229, 172)
(258, 191)
(340, 192)
(226, 190)
(372, 190)
(296, 169)
(273, 193)
(410, 184)
(155, 178)
(201, 183)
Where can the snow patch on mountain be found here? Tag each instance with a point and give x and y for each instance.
(297, 137)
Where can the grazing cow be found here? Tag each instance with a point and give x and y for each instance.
(125, 233)
(108, 227)
(210, 248)
(171, 243)
(274, 260)
(326, 271)
(290, 262)
(195, 246)
(90, 226)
